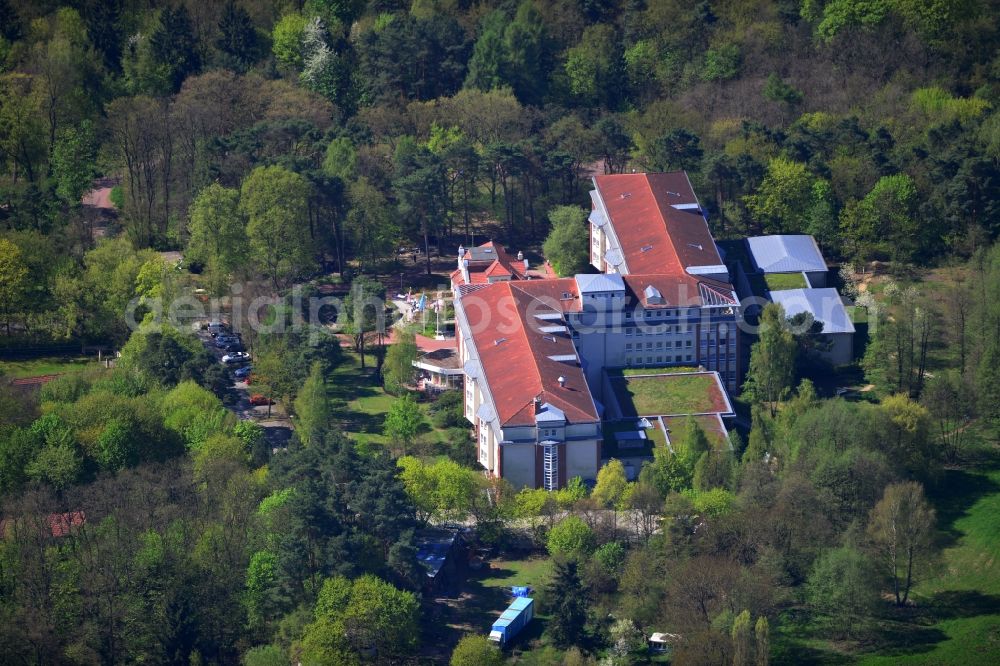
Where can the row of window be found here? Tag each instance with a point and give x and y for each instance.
(638, 332)
(650, 360)
(711, 358)
(660, 344)
(721, 343)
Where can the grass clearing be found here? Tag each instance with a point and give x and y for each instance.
(46, 366)
(782, 281)
(959, 620)
(956, 616)
(360, 403)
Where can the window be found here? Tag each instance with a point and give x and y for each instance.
(628, 360)
(689, 357)
(638, 332)
(649, 359)
(659, 359)
(648, 314)
(628, 346)
(649, 346)
(687, 343)
(669, 344)
(659, 344)
(628, 332)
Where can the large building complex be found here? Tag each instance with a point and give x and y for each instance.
(536, 349)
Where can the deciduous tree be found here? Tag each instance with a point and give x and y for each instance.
(772, 359)
(900, 528)
(403, 422)
(275, 203)
(566, 246)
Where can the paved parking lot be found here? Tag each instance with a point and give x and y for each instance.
(277, 426)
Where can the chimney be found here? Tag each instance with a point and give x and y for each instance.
(537, 403)
(520, 255)
(562, 381)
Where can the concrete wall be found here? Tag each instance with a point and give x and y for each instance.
(816, 280)
(582, 459)
(518, 464)
(842, 351)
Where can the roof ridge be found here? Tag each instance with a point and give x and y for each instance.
(524, 332)
(663, 219)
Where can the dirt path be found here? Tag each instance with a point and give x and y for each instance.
(100, 196)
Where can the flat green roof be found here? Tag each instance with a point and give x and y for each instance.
(665, 394)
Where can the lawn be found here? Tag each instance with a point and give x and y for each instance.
(960, 618)
(45, 366)
(782, 281)
(533, 572)
(666, 394)
(956, 616)
(360, 402)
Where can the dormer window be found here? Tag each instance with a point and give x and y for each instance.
(653, 295)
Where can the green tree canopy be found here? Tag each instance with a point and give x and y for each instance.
(404, 421)
(772, 359)
(571, 537)
(475, 650)
(567, 246)
(275, 202)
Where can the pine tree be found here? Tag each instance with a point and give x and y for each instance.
(568, 605)
(175, 47)
(238, 39)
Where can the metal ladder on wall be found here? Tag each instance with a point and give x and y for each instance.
(550, 468)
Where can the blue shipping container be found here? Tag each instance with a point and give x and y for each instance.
(513, 620)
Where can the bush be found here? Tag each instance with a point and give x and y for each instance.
(448, 410)
(571, 537)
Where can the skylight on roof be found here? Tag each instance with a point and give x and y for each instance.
(645, 248)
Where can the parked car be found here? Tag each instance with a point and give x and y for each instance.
(243, 373)
(217, 328)
(258, 399)
(236, 357)
(224, 341)
(235, 347)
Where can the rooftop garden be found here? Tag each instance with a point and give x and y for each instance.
(782, 281)
(665, 394)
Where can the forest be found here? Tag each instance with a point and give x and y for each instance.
(256, 147)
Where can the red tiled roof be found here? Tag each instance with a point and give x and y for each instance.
(515, 353)
(62, 523)
(655, 237)
(59, 524)
(501, 264)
